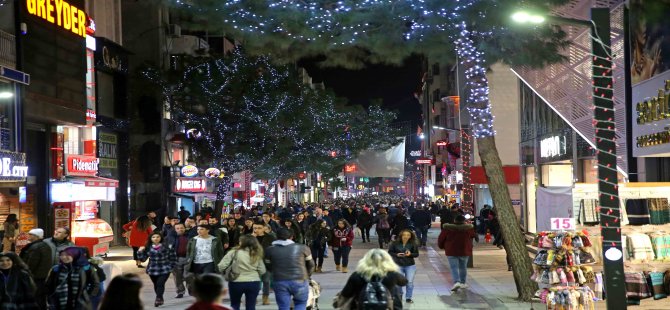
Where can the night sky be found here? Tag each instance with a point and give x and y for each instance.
(395, 85)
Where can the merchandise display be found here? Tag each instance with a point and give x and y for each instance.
(560, 268)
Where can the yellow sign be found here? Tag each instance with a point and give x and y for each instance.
(61, 13)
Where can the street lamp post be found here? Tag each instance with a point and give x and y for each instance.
(605, 140)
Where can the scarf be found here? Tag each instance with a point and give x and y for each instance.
(68, 283)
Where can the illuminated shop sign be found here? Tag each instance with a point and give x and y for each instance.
(189, 171)
(552, 147)
(424, 161)
(13, 166)
(190, 185)
(61, 13)
(80, 165)
(211, 173)
(651, 117)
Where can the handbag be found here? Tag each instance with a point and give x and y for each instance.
(231, 273)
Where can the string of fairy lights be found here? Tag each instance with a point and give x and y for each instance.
(245, 113)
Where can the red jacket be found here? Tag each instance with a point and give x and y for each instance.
(137, 238)
(338, 234)
(456, 239)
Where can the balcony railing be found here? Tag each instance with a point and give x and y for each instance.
(7, 50)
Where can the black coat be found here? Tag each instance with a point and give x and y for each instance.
(356, 284)
(397, 247)
(17, 291)
(364, 219)
(37, 255)
(88, 286)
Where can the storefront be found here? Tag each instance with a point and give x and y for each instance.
(77, 199)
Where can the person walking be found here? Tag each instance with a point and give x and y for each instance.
(303, 225)
(183, 214)
(180, 246)
(404, 250)
(204, 252)
(247, 259)
(318, 236)
(16, 284)
(422, 220)
(291, 265)
(297, 232)
(137, 232)
(261, 232)
(57, 243)
(37, 256)
(233, 232)
(71, 281)
(376, 265)
(123, 292)
(364, 223)
(383, 227)
(456, 241)
(341, 241)
(162, 260)
(11, 227)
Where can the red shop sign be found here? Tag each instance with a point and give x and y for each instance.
(190, 185)
(80, 165)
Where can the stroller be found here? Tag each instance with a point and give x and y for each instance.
(314, 293)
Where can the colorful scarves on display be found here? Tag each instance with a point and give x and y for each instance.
(659, 211)
(639, 247)
(636, 286)
(657, 285)
(598, 290)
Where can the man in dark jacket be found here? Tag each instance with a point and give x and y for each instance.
(265, 240)
(350, 214)
(37, 255)
(422, 221)
(291, 265)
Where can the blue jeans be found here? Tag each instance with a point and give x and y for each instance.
(422, 234)
(409, 272)
(284, 289)
(458, 266)
(248, 289)
(342, 253)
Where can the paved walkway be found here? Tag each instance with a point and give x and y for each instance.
(491, 285)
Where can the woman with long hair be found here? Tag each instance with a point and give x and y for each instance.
(383, 227)
(376, 265)
(16, 283)
(11, 227)
(247, 259)
(303, 225)
(137, 232)
(317, 237)
(123, 293)
(233, 232)
(297, 232)
(162, 259)
(72, 281)
(341, 241)
(403, 250)
(364, 223)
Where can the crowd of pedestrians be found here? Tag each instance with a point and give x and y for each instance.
(256, 249)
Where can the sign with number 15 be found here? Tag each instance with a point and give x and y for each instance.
(559, 223)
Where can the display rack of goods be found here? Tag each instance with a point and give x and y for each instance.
(561, 270)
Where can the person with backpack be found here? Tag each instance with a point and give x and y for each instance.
(341, 241)
(383, 227)
(404, 250)
(373, 286)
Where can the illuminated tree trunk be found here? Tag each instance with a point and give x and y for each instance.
(478, 106)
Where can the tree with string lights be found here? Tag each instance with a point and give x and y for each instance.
(245, 113)
(351, 33)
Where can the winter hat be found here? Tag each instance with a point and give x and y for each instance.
(38, 232)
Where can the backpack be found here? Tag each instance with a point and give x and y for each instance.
(383, 223)
(375, 296)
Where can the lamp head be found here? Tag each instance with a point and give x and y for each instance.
(523, 17)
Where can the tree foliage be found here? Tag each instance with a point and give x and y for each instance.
(245, 113)
(352, 32)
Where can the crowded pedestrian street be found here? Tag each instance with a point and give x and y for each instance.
(491, 285)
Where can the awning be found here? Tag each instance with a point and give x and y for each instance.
(100, 182)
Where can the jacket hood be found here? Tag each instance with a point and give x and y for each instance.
(458, 226)
(282, 242)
